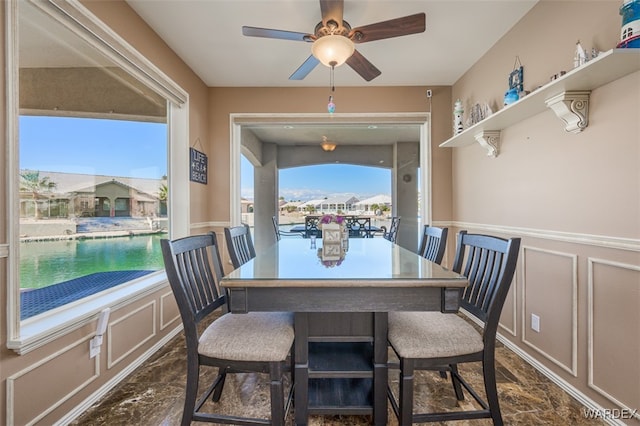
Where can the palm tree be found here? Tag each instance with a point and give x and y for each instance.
(163, 196)
(163, 192)
(30, 181)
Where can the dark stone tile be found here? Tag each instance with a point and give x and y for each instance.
(153, 395)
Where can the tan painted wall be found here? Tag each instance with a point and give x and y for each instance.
(224, 101)
(575, 199)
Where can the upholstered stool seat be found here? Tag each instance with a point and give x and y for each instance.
(255, 336)
(432, 335)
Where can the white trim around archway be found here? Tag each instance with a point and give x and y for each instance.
(236, 121)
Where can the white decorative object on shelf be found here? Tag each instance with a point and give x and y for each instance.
(457, 117)
(478, 113)
(580, 57)
(605, 68)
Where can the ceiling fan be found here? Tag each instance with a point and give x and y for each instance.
(333, 39)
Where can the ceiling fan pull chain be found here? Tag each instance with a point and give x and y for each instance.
(331, 106)
(332, 79)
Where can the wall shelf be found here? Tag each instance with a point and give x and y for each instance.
(568, 97)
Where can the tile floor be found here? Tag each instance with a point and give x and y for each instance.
(153, 395)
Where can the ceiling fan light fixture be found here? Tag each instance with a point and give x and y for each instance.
(332, 50)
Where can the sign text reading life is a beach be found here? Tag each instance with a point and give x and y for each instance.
(198, 166)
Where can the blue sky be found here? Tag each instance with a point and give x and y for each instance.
(93, 146)
(312, 182)
(135, 149)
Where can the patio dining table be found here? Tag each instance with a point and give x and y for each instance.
(341, 308)
(358, 226)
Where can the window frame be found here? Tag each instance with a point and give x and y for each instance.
(27, 335)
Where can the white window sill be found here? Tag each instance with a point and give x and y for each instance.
(51, 325)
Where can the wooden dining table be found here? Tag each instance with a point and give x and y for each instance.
(340, 309)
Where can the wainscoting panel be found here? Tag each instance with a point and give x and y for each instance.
(614, 331)
(550, 291)
(30, 384)
(169, 313)
(130, 332)
(508, 318)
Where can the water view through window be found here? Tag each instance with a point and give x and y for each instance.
(56, 261)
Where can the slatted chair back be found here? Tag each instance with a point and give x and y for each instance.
(194, 270)
(433, 243)
(239, 244)
(392, 234)
(489, 264)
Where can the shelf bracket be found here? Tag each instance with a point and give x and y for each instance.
(489, 140)
(572, 107)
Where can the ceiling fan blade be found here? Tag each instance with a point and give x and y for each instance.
(305, 68)
(332, 10)
(411, 24)
(278, 34)
(362, 66)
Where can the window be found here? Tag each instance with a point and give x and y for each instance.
(63, 161)
(96, 124)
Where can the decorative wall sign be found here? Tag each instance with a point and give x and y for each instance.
(516, 76)
(197, 166)
(515, 79)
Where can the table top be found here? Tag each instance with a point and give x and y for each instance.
(368, 262)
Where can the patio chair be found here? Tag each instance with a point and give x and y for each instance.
(279, 233)
(441, 341)
(392, 233)
(254, 342)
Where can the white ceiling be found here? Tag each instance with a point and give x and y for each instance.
(207, 35)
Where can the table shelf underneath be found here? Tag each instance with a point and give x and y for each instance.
(340, 360)
(347, 396)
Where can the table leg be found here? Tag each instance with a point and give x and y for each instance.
(380, 372)
(301, 389)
